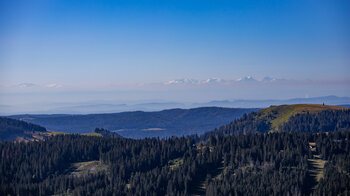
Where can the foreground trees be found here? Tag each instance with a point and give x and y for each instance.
(256, 164)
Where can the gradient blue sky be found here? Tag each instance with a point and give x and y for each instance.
(111, 45)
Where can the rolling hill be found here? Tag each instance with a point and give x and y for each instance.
(174, 122)
(278, 115)
(21, 131)
(298, 117)
(11, 129)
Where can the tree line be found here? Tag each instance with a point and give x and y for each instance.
(10, 128)
(252, 164)
(257, 122)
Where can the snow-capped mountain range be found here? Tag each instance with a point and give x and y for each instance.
(246, 79)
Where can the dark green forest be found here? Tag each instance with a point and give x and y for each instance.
(258, 164)
(324, 121)
(309, 155)
(10, 128)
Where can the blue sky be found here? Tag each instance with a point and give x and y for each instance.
(76, 45)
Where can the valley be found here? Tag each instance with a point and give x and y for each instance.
(138, 125)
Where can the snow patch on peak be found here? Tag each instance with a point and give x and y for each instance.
(181, 81)
(212, 81)
(246, 79)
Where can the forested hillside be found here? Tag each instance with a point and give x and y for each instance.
(166, 123)
(11, 129)
(106, 133)
(258, 164)
(308, 153)
(298, 118)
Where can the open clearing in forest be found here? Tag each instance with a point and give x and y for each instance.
(175, 163)
(84, 168)
(316, 166)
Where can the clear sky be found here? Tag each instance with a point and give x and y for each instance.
(89, 46)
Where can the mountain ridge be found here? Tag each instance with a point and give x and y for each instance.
(140, 124)
(297, 117)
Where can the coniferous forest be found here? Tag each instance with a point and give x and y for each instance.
(287, 162)
(10, 128)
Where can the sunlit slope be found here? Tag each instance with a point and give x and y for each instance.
(298, 117)
(277, 115)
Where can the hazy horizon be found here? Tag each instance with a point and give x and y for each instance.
(112, 106)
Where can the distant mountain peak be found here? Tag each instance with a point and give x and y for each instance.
(212, 80)
(268, 79)
(26, 85)
(215, 80)
(181, 81)
(246, 79)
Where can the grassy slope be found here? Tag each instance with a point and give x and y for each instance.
(282, 113)
(36, 136)
(53, 133)
(89, 167)
(92, 134)
(316, 167)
